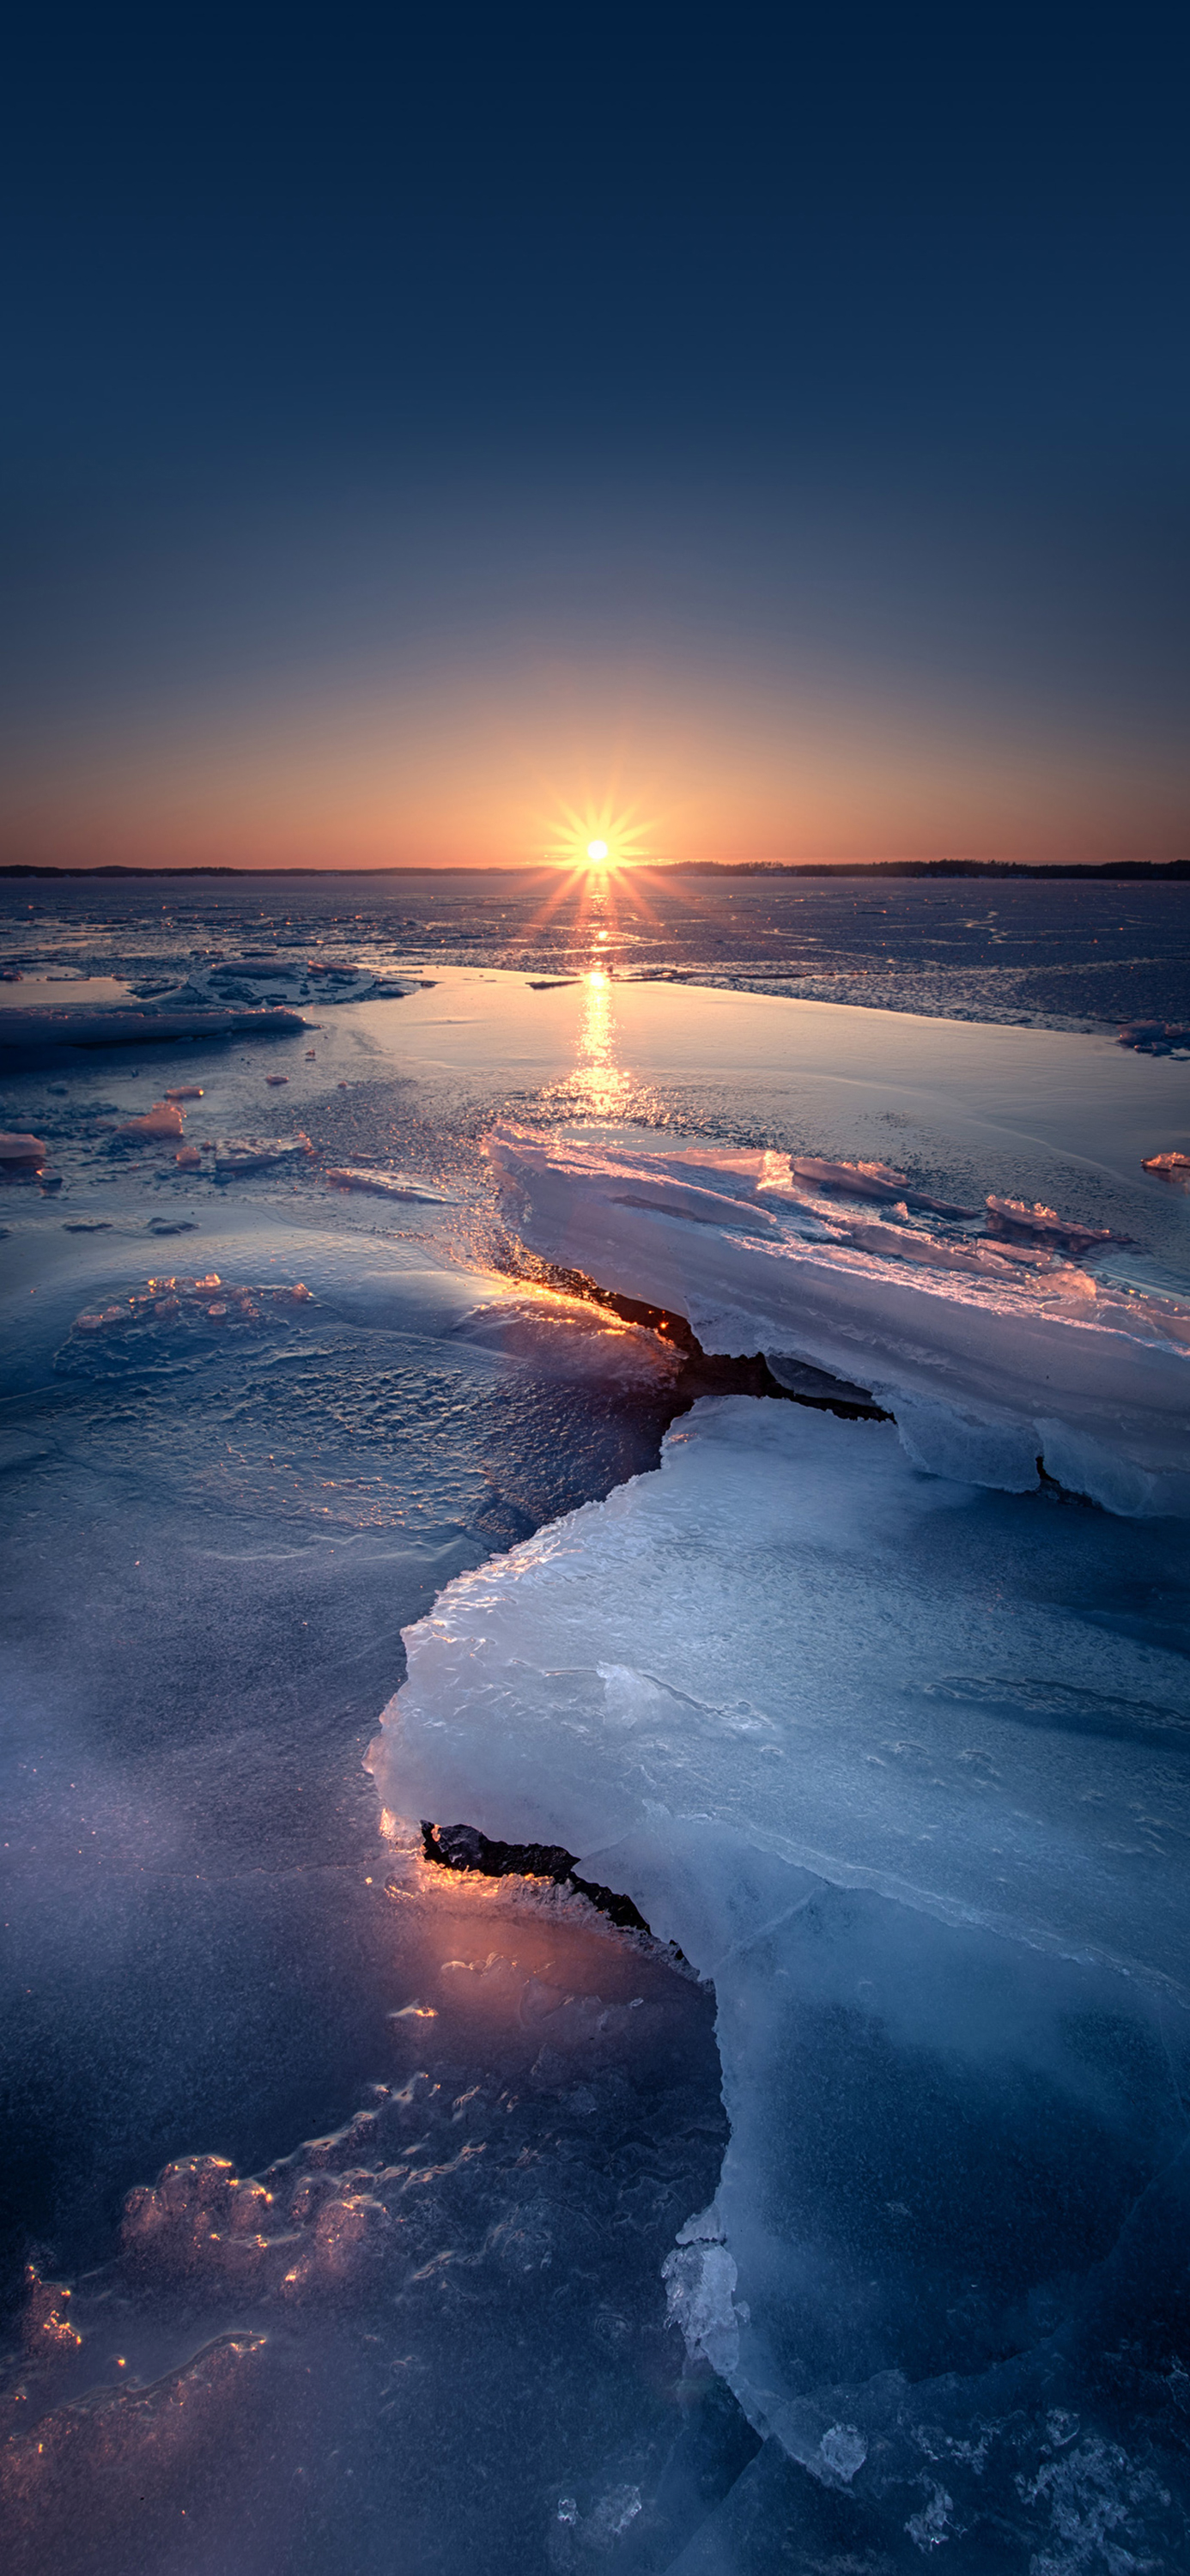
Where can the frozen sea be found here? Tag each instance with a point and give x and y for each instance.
(686, 1373)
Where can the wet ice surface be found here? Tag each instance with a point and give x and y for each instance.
(202, 1955)
(441, 2321)
(221, 1523)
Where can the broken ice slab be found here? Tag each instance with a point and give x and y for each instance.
(257, 1153)
(858, 1741)
(870, 1181)
(1043, 1225)
(778, 1631)
(41, 1032)
(385, 1185)
(1169, 1166)
(988, 2182)
(990, 1363)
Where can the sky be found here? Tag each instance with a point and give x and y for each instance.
(433, 436)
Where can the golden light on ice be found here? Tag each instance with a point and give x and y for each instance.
(596, 849)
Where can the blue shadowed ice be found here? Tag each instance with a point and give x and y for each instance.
(869, 1747)
(361, 2213)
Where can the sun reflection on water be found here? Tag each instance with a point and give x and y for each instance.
(601, 1089)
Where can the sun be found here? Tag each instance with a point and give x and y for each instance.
(595, 837)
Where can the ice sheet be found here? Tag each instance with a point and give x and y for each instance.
(214, 1541)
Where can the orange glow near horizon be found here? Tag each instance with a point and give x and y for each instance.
(464, 771)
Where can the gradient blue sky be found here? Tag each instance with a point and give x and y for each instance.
(766, 426)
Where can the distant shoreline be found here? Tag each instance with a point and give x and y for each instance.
(1160, 870)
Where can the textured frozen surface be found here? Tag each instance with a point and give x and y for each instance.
(880, 1753)
(1067, 953)
(440, 2325)
(990, 1353)
(201, 1958)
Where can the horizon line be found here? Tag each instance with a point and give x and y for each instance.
(1100, 869)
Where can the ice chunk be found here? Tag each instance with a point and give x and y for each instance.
(700, 2279)
(1155, 1037)
(1168, 1166)
(163, 1119)
(22, 1153)
(1037, 1224)
(988, 1360)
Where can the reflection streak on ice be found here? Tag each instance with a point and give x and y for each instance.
(602, 1088)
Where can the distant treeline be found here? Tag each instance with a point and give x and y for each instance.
(931, 868)
(1163, 868)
